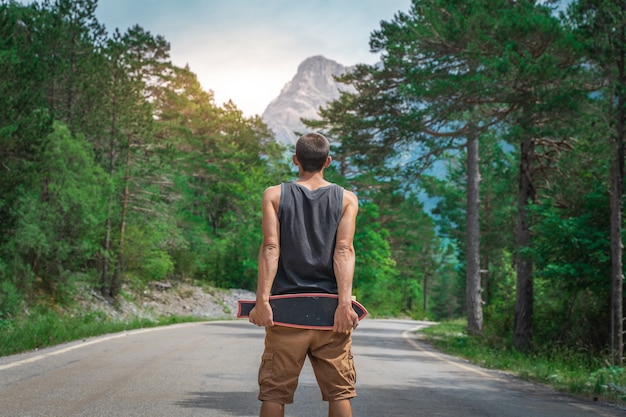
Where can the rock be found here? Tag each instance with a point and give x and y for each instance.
(161, 286)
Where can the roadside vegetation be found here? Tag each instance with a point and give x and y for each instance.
(563, 368)
(44, 324)
(45, 327)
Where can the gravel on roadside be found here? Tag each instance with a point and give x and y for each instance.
(163, 299)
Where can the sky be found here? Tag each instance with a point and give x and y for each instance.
(247, 50)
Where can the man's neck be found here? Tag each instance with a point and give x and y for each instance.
(312, 180)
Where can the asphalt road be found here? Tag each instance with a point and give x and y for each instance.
(209, 369)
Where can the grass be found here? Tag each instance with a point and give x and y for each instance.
(568, 371)
(46, 327)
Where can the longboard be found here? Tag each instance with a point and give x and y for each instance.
(304, 311)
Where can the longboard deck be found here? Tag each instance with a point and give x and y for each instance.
(304, 311)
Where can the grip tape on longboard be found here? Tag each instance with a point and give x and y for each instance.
(305, 311)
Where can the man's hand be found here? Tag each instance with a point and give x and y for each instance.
(346, 319)
(262, 315)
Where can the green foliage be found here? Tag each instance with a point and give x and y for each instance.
(143, 175)
(563, 368)
(10, 301)
(499, 311)
(572, 256)
(57, 230)
(24, 121)
(376, 278)
(146, 255)
(607, 382)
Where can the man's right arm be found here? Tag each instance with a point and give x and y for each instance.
(261, 314)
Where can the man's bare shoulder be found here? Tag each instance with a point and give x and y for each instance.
(271, 190)
(350, 196)
(350, 199)
(272, 193)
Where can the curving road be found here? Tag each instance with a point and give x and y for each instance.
(209, 369)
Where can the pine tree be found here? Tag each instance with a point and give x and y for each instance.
(601, 26)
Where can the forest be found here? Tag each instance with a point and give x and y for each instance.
(486, 149)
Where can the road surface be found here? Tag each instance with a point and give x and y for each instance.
(209, 369)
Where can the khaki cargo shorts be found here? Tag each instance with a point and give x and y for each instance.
(286, 349)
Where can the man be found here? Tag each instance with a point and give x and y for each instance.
(308, 230)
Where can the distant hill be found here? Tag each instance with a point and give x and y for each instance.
(313, 86)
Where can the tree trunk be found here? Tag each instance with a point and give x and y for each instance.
(617, 278)
(105, 277)
(473, 287)
(522, 337)
(106, 248)
(117, 273)
(617, 192)
(425, 293)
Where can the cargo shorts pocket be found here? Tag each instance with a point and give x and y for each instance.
(351, 368)
(266, 370)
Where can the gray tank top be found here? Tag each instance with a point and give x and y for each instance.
(308, 229)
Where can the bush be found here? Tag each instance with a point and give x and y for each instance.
(10, 300)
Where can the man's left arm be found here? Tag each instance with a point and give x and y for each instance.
(344, 260)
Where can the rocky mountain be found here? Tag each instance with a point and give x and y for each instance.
(312, 86)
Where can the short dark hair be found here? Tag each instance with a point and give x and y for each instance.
(312, 150)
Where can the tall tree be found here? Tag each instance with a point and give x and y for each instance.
(496, 222)
(601, 26)
(24, 120)
(145, 59)
(120, 125)
(69, 35)
(473, 278)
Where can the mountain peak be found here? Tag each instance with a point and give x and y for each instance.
(317, 62)
(312, 87)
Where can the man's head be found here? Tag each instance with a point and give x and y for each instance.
(312, 152)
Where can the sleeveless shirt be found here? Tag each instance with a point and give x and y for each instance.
(308, 228)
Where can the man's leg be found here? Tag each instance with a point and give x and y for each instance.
(332, 362)
(340, 408)
(271, 409)
(282, 360)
